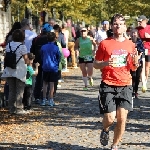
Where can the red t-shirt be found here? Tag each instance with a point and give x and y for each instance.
(142, 32)
(118, 75)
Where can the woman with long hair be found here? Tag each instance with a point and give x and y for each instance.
(15, 26)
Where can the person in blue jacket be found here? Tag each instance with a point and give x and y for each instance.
(50, 56)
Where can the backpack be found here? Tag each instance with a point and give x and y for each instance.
(10, 58)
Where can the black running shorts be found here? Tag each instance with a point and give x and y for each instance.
(81, 60)
(147, 58)
(50, 76)
(111, 97)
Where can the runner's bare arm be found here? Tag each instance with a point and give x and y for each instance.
(147, 35)
(25, 57)
(101, 64)
(94, 44)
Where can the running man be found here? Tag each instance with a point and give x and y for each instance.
(85, 56)
(144, 33)
(115, 57)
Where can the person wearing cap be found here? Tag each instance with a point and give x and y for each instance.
(102, 34)
(86, 57)
(29, 35)
(28, 84)
(144, 33)
(37, 43)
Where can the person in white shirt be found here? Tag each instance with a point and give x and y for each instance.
(16, 78)
(29, 35)
(102, 34)
(66, 36)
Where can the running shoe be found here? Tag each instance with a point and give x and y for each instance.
(114, 147)
(91, 82)
(51, 102)
(85, 88)
(136, 95)
(144, 89)
(43, 102)
(104, 137)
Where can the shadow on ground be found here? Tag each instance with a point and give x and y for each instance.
(49, 146)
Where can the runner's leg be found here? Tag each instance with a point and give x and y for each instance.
(120, 126)
(90, 73)
(84, 73)
(108, 120)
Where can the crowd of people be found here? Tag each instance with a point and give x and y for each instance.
(122, 57)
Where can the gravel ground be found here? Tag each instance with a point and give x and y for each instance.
(74, 123)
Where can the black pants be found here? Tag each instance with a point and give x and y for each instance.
(136, 78)
(6, 90)
(56, 83)
(27, 96)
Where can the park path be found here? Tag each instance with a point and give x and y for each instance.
(75, 123)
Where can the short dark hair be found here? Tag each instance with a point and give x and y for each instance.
(51, 36)
(57, 27)
(31, 56)
(18, 35)
(117, 16)
(90, 33)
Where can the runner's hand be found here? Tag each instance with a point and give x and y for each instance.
(37, 64)
(110, 62)
(147, 35)
(77, 53)
(135, 57)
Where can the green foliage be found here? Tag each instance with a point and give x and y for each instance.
(91, 11)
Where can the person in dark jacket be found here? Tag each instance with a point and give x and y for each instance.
(37, 43)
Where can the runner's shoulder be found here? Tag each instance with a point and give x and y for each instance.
(107, 40)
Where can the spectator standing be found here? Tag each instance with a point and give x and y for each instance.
(66, 37)
(50, 55)
(37, 43)
(52, 22)
(28, 85)
(29, 35)
(15, 26)
(16, 77)
(71, 41)
(101, 34)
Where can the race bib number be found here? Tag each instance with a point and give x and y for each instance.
(88, 58)
(119, 60)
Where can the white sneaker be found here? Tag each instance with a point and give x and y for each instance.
(59, 86)
(61, 80)
(75, 67)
